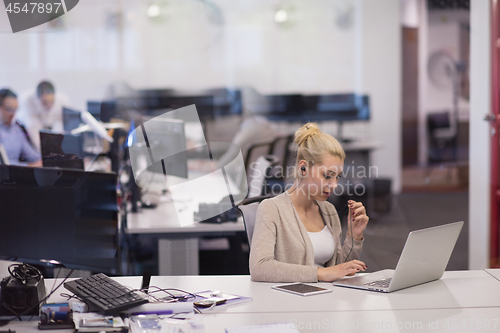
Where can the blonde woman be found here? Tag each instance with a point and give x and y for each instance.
(297, 233)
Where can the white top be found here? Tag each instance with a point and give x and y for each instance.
(36, 117)
(323, 245)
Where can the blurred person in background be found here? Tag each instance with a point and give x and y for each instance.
(13, 136)
(42, 110)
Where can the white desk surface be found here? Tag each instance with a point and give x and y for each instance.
(455, 290)
(462, 301)
(163, 220)
(494, 272)
(442, 320)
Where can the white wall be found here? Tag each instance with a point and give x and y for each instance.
(196, 45)
(479, 144)
(382, 81)
(444, 35)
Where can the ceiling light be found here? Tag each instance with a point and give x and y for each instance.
(281, 16)
(154, 10)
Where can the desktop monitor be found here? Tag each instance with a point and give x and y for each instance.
(71, 119)
(226, 102)
(210, 104)
(337, 107)
(204, 104)
(311, 108)
(286, 107)
(62, 150)
(102, 111)
(166, 138)
(58, 214)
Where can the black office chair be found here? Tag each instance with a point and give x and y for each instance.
(277, 175)
(442, 135)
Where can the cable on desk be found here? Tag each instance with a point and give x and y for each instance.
(24, 272)
(166, 290)
(18, 315)
(68, 297)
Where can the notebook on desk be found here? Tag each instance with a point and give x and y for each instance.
(424, 259)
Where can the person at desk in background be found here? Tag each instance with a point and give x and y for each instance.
(42, 110)
(12, 135)
(297, 233)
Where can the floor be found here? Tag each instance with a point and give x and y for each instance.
(387, 232)
(437, 178)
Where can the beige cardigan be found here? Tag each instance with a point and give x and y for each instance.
(281, 249)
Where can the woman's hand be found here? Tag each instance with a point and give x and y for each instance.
(357, 220)
(336, 272)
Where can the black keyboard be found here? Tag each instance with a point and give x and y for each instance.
(105, 295)
(379, 283)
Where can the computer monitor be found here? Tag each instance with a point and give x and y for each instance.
(166, 137)
(102, 110)
(62, 150)
(57, 214)
(210, 104)
(337, 107)
(312, 108)
(71, 119)
(287, 107)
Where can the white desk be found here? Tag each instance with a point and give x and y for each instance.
(176, 231)
(441, 320)
(494, 272)
(468, 298)
(177, 246)
(457, 289)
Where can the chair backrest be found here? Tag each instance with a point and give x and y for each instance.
(280, 148)
(258, 172)
(249, 213)
(256, 150)
(248, 208)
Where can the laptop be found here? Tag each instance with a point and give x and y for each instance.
(424, 259)
(62, 150)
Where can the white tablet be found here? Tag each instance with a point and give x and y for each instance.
(302, 289)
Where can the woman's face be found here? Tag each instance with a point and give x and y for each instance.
(322, 178)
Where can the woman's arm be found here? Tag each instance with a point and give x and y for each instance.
(263, 265)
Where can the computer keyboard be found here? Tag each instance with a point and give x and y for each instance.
(379, 283)
(104, 294)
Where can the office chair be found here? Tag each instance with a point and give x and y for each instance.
(248, 209)
(442, 134)
(259, 171)
(278, 147)
(277, 174)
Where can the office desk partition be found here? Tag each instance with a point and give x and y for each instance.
(462, 301)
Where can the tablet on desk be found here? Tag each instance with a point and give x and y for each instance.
(302, 289)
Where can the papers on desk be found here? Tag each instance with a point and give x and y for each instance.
(231, 299)
(268, 328)
(96, 322)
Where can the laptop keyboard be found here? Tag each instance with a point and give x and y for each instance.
(379, 283)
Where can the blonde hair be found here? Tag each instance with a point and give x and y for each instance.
(313, 144)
